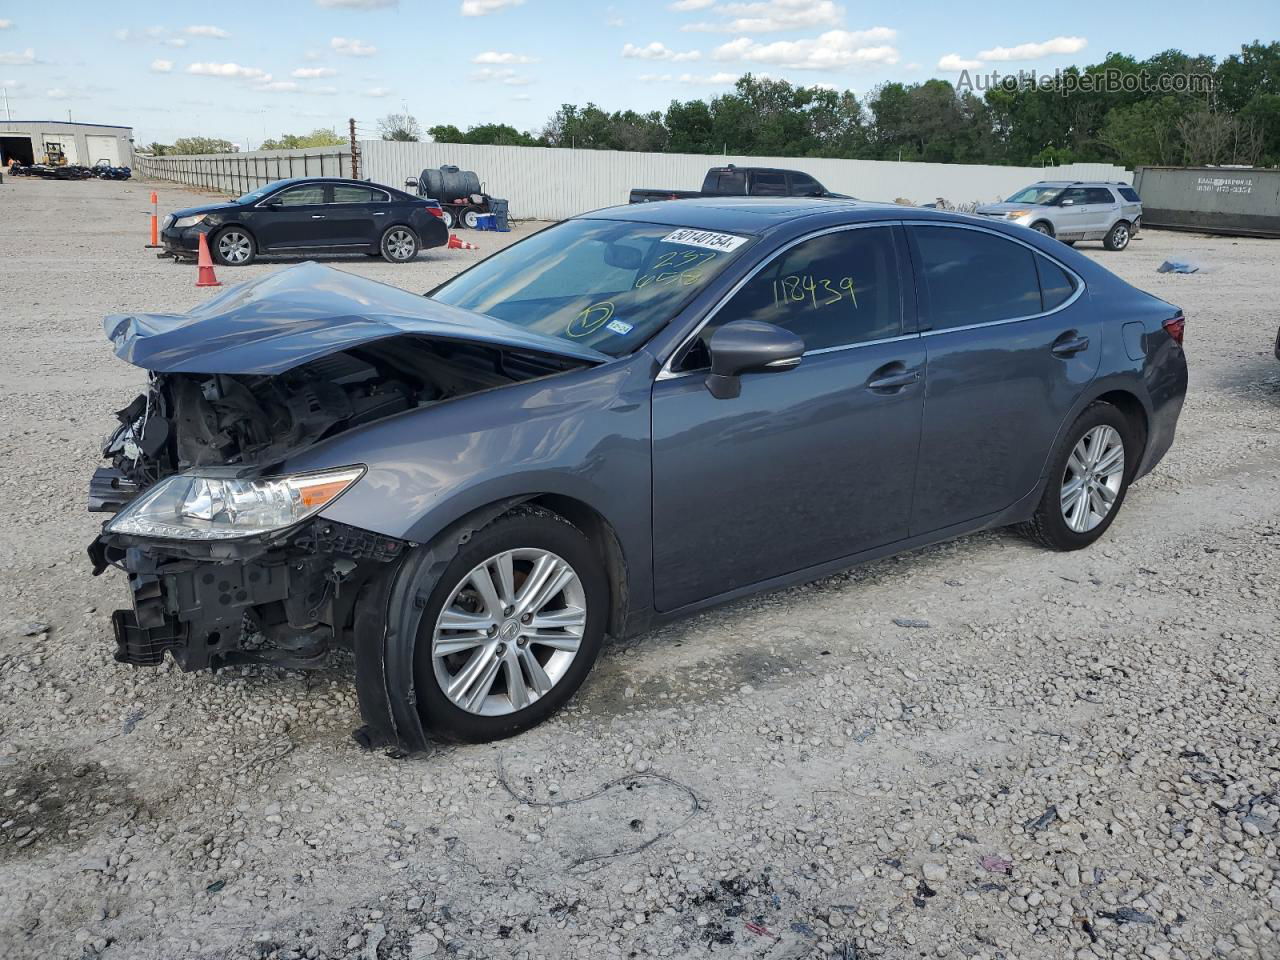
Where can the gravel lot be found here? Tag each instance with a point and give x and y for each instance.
(1076, 755)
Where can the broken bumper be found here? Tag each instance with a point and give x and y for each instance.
(284, 600)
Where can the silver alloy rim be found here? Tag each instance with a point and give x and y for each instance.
(509, 632)
(1042, 228)
(234, 247)
(1091, 482)
(1121, 237)
(448, 220)
(400, 245)
(470, 218)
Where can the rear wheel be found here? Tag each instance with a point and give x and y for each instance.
(1088, 479)
(511, 628)
(234, 247)
(1117, 237)
(399, 245)
(447, 217)
(471, 218)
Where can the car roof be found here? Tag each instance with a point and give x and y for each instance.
(759, 215)
(292, 181)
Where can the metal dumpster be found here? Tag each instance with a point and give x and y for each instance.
(1237, 201)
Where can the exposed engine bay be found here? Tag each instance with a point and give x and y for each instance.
(287, 598)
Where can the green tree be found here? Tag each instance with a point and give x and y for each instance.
(185, 146)
(319, 137)
(399, 126)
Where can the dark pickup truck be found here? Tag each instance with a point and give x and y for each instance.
(734, 181)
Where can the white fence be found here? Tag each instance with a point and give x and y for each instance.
(548, 183)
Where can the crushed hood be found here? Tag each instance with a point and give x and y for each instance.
(302, 313)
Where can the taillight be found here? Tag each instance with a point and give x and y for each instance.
(436, 212)
(1176, 325)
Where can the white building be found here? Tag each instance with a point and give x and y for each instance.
(27, 141)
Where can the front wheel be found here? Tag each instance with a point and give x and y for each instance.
(510, 629)
(1042, 227)
(1088, 477)
(234, 247)
(399, 245)
(1117, 237)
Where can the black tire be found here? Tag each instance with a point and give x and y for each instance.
(399, 244)
(239, 249)
(523, 527)
(1048, 526)
(447, 216)
(1043, 226)
(1118, 236)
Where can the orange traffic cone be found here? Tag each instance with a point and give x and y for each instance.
(456, 244)
(206, 277)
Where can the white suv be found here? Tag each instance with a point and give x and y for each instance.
(1074, 210)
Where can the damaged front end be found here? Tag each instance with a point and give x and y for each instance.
(229, 556)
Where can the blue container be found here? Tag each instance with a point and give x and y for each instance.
(486, 221)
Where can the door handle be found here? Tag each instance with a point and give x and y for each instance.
(891, 378)
(1068, 345)
(317, 216)
(381, 213)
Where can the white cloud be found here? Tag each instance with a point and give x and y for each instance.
(681, 6)
(770, 16)
(828, 51)
(203, 30)
(521, 96)
(17, 58)
(507, 76)
(161, 66)
(313, 73)
(1034, 51)
(493, 56)
(357, 4)
(692, 79)
(174, 42)
(5, 24)
(658, 51)
(377, 92)
(953, 62)
(232, 70)
(61, 93)
(349, 47)
(480, 8)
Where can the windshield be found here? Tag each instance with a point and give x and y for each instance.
(608, 284)
(261, 192)
(1040, 195)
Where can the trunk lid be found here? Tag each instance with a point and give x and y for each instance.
(291, 316)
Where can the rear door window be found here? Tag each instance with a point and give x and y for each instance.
(729, 182)
(971, 277)
(349, 193)
(1098, 195)
(769, 185)
(1077, 196)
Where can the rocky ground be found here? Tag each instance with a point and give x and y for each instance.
(977, 750)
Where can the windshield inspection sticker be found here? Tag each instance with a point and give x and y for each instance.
(619, 327)
(706, 239)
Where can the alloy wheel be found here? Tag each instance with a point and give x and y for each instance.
(1093, 478)
(1120, 237)
(509, 631)
(400, 244)
(234, 247)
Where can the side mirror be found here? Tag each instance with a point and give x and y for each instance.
(1068, 203)
(411, 183)
(744, 346)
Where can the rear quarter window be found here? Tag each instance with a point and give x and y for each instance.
(1056, 285)
(1130, 194)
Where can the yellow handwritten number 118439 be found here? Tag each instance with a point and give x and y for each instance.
(798, 288)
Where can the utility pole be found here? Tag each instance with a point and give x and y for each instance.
(7, 114)
(355, 151)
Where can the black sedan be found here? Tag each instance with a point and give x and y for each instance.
(308, 214)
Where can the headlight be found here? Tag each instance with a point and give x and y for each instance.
(1015, 214)
(188, 507)
(168, 219)
(183, 222)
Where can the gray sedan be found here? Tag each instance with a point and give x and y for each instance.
(624, 418)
